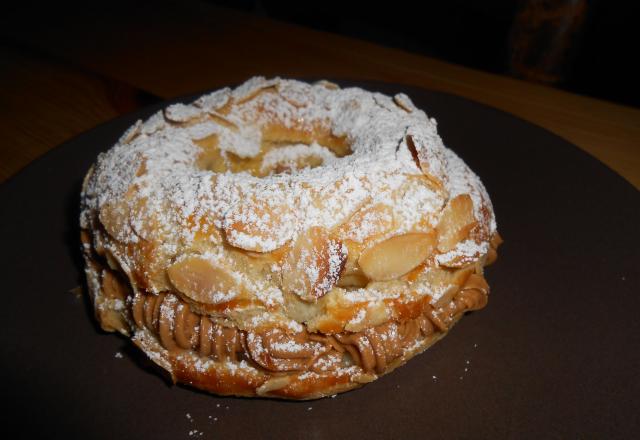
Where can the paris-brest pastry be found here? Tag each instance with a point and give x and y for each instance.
(284, 239)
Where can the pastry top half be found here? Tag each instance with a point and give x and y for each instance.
(281, 208)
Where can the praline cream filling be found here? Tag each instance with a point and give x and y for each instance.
(277, 349)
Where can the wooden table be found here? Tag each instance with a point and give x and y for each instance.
(64, 75)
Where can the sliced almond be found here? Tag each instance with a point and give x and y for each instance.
(352, 275)
(327, 84)
(456, 222)
(367, 222)
(223, 121)
(252, 88)
(259, 227)
(141, 221)
(463, 254)
(353, 254)
(396, 256)
(444, 282)
(115, 219)
(205, 232)
(313, 265)
(427, 151)
(404, 102)
(156, 122)
(296, 94)
(213, 101)
(384, 101)
(181, 113)
(201, 280)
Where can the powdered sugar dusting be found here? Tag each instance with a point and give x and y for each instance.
(214, 101)
(468, 249)
(181, 112)
(154, 188)
(289, 156)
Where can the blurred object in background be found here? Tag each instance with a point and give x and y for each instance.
(586, 47)
(544, 39)
(583, 46)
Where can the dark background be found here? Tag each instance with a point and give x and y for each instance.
(599, 60)
(588, 48)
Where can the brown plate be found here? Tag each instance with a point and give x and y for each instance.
(556, 354)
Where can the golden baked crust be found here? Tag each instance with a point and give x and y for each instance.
(284, 239)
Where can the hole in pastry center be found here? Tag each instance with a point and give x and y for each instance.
(287, 158)
(274, 156)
